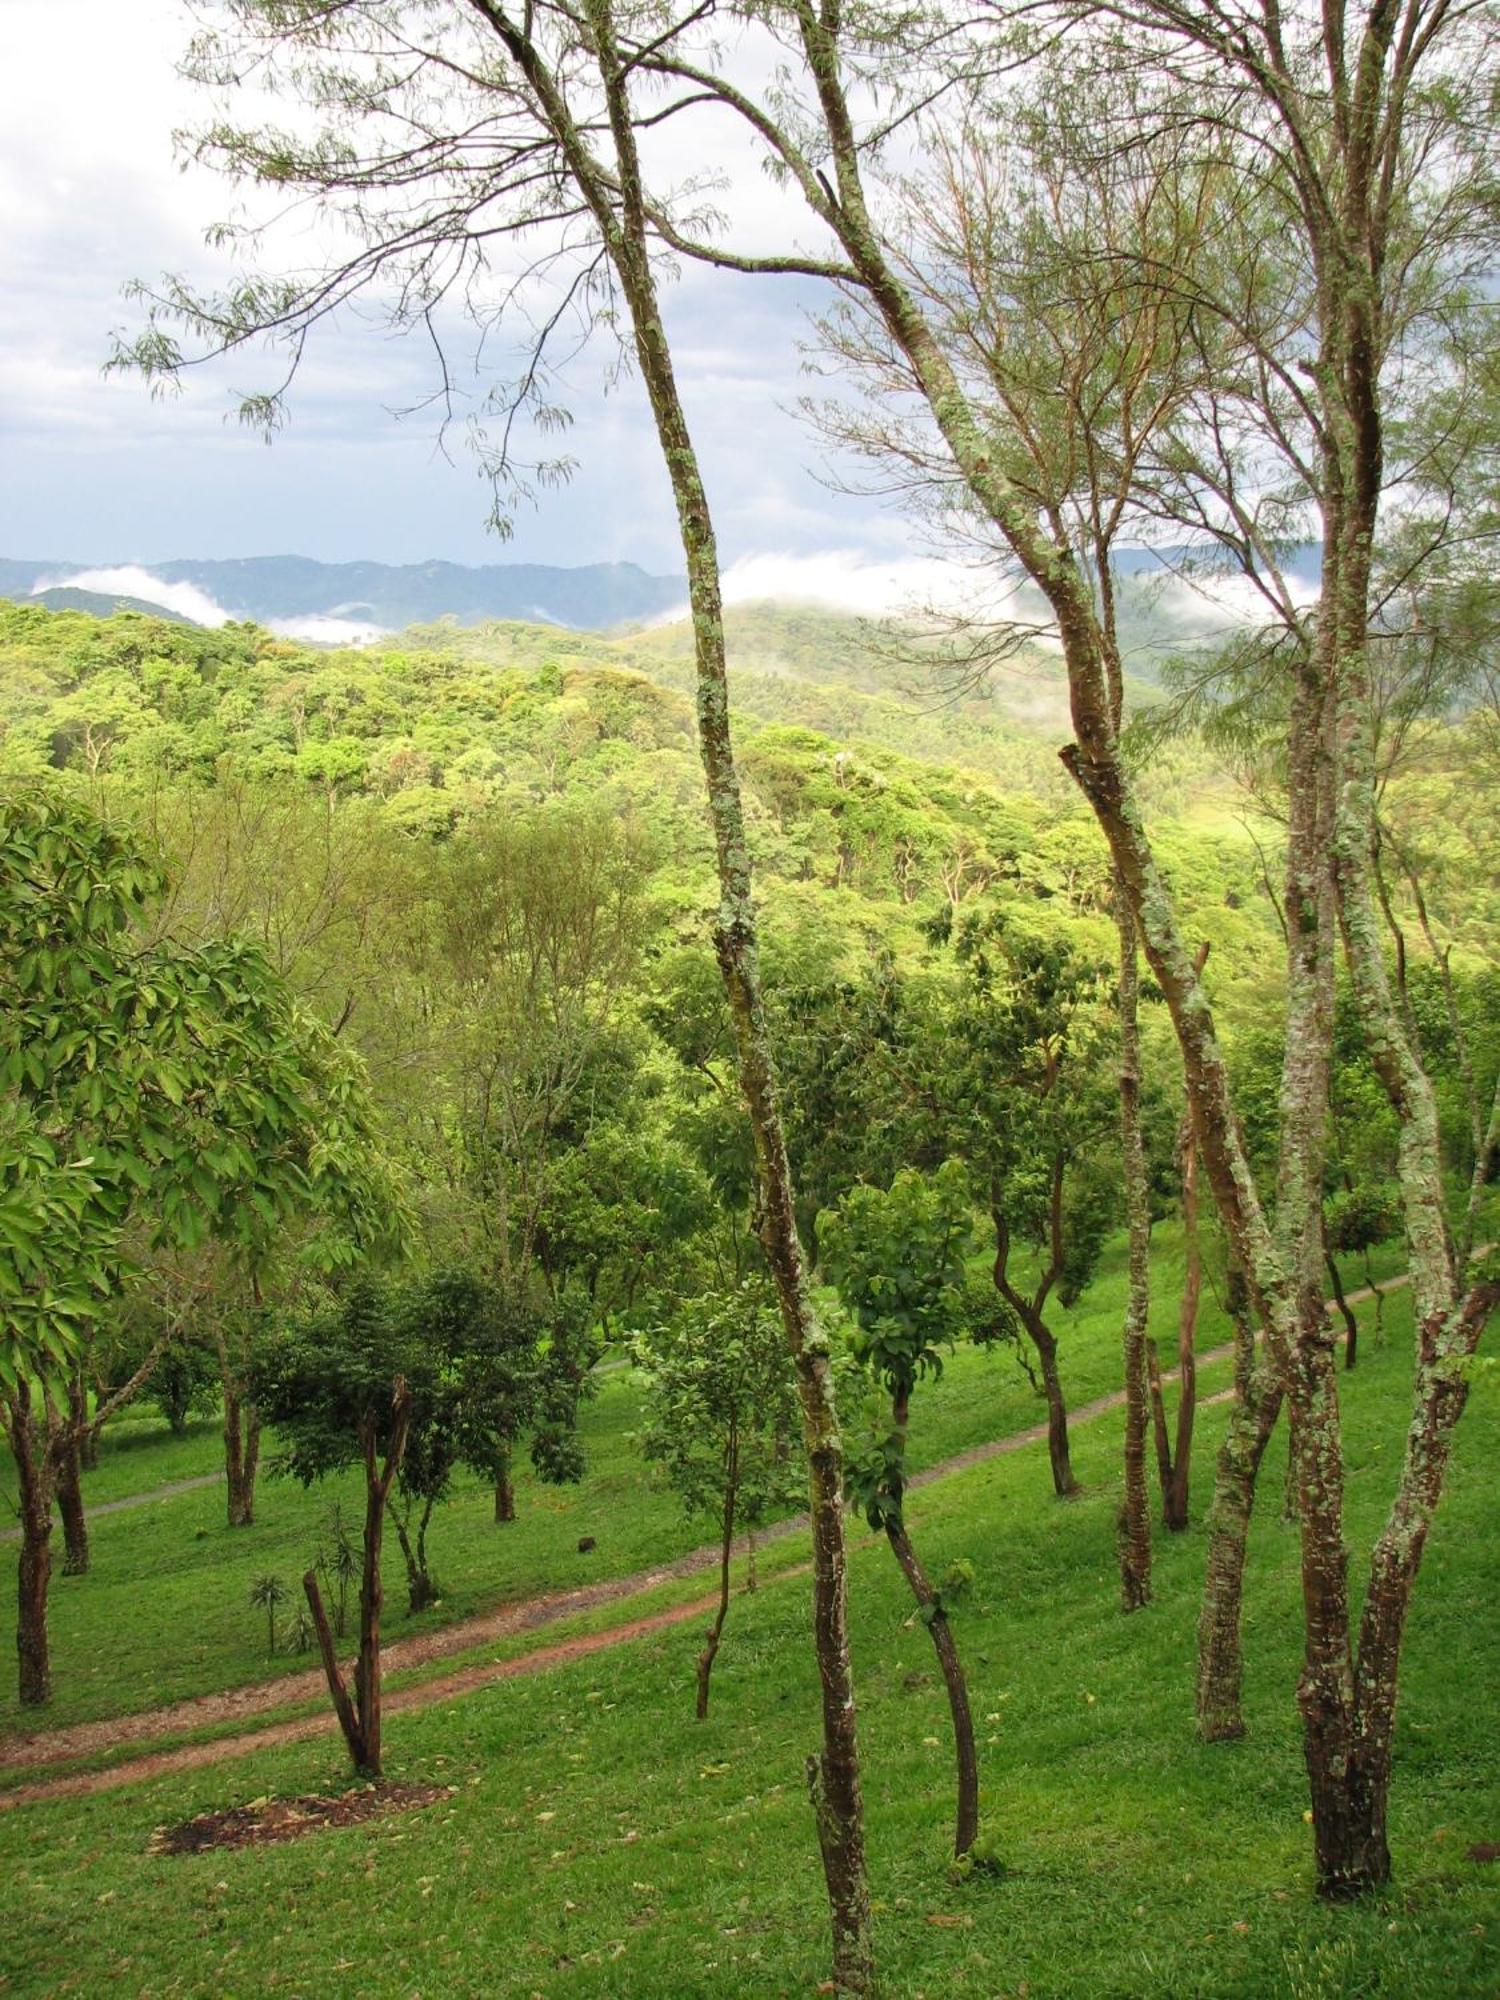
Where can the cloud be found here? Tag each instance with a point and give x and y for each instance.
(130, 580)
(848, 580)
(329, 631)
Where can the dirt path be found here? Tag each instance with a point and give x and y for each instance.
(137, 1499)
(60, 1746)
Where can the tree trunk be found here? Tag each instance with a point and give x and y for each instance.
(1176, 1491)
(618, 206)
(420, 1589)
(1042, 1339)
(930, 1608)
(716, 1630)
(33, 1480)
(1135, 1513)
(505, 1492)
(1346, 1311)
(70, 1505)
(343, 1708)
(1257, 1404)
(239, 1491)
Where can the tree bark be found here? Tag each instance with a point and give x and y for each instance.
(1135, 1514)
(1345, 1310)
(70, 1504)
(1058, 1454)
(1175, 1494)
(1257, 1405)
(34, 1573)
(505, 1492)
(239, 1471)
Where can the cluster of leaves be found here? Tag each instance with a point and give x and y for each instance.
(721, 1417)
(144, 1079)
(897, 1256)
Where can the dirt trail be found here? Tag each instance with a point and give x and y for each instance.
(137, 1499)
(60, 1746)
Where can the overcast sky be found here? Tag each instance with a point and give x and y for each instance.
(96, 471)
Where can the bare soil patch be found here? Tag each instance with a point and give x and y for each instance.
(266, 1820)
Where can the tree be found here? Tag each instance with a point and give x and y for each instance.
(174, 1089)
(336, 1389)
(1368, 150)
(562, 88)
(897, 1257)
(484, 1368)
(1013, 1062)
(721, 1422)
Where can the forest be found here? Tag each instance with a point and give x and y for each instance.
(530, 1156)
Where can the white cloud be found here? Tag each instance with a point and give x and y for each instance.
(130, 580)
(329, 631)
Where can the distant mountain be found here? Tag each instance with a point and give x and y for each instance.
(102, 604)
(296, 593)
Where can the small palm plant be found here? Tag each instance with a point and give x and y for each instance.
(269, 1591)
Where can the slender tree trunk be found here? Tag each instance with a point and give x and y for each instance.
(87, 1434)
(419, 1587)
(343, 1708)
(234, 1457)
(1345, 1310)
(1135, 1513)
(930, 1605)
(250, 1465)
(1043, 1340)
(505, 1491)
(68, 1477)
(1257, 1404)
(1175, 1494)
(750, 1577)
(618, 205)
(34, 1573)
(367, 1700)
(716, 1631)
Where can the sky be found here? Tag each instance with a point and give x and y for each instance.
(95, 471)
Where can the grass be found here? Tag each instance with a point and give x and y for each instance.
(600, 1843)
(170, 1582)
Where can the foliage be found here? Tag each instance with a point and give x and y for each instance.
(720, 1413)
(178, 1084)
(897, 1257)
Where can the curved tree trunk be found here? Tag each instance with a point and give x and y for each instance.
(1257, 1405)
(930, 1605)
(1135, 1513)
(1175, 1511)
(1345, 1310)
(1058, 1454)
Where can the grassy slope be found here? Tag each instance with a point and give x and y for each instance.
(170, 1581)
(599, 1843)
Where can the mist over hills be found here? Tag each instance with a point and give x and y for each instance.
(343, 602)
(1164, 604)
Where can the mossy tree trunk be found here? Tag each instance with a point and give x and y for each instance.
(617, 202)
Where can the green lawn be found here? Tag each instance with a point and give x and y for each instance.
(600, 1843)
(170, 1582)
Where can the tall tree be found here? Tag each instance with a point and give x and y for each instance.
(531, 126)
(171, 1088)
